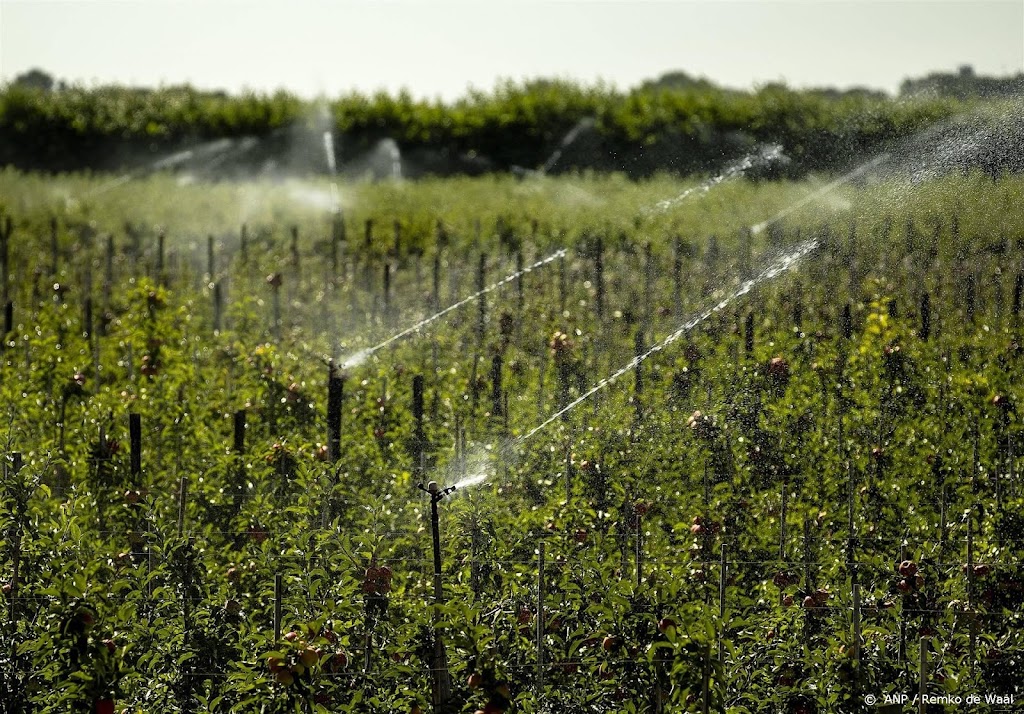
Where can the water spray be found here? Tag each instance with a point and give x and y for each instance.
(362, 355)
(332, 169)
(567, 141)
(777, 267)
(210, 149)
(764, 156)
(827, 188)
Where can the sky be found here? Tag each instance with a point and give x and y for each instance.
(440, 48)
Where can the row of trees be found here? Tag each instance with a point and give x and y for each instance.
(659, 126)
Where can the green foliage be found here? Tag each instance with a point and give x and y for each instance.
(653, 128)
(636, 494)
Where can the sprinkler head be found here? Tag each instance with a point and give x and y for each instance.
(435, 491)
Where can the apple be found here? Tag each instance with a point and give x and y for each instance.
(104, 706)
(284, 677)
(85, 616)
(908, 568)
(6, 589)
(609, 643)
(232, 606)
(309, 656)
(697, 529)
(981, 570)
(232, 575)
(339, 660)
(778, 368)
(275, 664)
(475, 680)
(641, 508)
(809, 601)
(291, 635)
(110, 645)
(258, 535)
(919, 582)
(665, 624)
(132, 497)
(581, 535)
(903, 586)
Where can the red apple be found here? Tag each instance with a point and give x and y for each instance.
(475, 680)
(908, 568)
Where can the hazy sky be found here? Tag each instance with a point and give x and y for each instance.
(441, 47)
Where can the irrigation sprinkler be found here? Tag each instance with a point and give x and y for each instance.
(442, 684)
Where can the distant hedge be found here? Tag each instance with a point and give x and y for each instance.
(639, 132)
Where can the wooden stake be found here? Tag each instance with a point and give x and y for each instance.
(540, 618)
(436, 295)
(419, 433)
(135, 439)
(160, 242)
(211, 265)
(182, 503)
(481, 282)
(218, 306)
(335, 399)
(496, 388)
